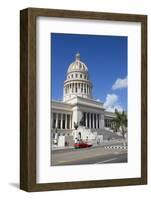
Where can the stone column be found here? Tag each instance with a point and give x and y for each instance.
(70, 121)
(89, 120)
(79, 87)
(97, 121)
(86, 120)
(93, 120)
(72, 87)
(86, 88)
(56, 125)
(82, 88)
(65, 121)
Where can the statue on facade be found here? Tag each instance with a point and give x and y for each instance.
(76, 125)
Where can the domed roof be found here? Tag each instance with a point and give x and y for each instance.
(77, 65)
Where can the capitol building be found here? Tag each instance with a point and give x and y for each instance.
(78, 109)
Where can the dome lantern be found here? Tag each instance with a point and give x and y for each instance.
(77, 57)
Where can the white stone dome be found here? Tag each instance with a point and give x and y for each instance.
(77, 82)
(77, 65)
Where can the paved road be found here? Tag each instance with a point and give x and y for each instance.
(98, 155)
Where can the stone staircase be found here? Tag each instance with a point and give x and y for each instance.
(94, 134)
(109, 135)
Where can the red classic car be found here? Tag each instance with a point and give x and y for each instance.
(81, 144)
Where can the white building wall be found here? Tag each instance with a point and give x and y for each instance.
(76, 115)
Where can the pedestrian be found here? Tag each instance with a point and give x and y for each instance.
(76, 140)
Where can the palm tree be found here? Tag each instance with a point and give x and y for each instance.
(120, 122)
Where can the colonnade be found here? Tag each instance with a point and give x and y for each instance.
(61, 121)
(90, 120)
(77, 87)
(93, 120)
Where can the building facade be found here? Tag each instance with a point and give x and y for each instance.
(78, 107)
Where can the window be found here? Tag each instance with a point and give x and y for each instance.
(98, 120)
(91, 120)
(68, 121)
(63, 122)
(59, 121)
(72, 75)
(54, 121)
(84, 88)
(95, 121)
(80, 75)
(88, 116)
(84, 118)
(76, 75)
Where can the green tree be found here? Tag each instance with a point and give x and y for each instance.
(120, 122)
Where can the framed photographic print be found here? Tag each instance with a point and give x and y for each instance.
(83, 99)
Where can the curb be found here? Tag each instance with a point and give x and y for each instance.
(115, 147)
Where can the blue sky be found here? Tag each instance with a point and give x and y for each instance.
(106, 59)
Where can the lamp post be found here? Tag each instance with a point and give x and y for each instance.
(76, 127)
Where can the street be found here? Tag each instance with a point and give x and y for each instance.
(92, 155)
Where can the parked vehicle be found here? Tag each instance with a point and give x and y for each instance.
(81, 144)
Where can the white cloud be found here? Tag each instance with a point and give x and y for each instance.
(112, 103)
(120, 83)
(111, 100)
(112, 109)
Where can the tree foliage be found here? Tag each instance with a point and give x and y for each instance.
(120, 122)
